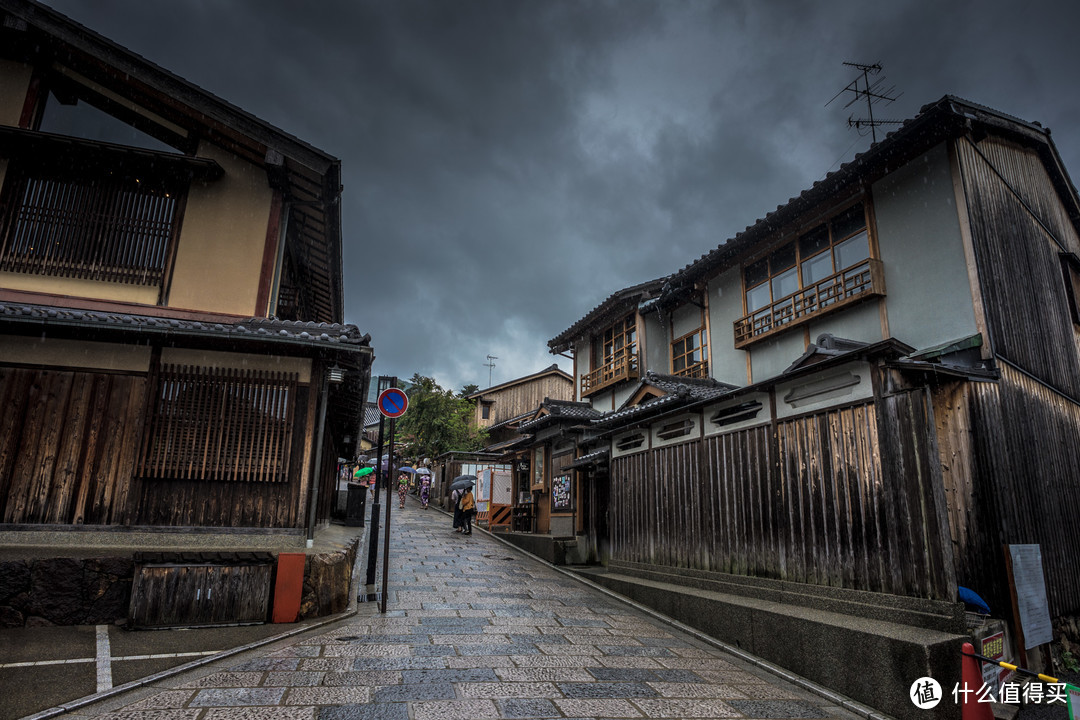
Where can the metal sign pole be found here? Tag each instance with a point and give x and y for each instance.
(373, 536)
(391, 467)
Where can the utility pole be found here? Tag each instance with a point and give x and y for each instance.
(490, 364)
(872, 93)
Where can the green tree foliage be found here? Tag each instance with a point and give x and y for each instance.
(437, 421)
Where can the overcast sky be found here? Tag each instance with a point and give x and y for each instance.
(508, 164)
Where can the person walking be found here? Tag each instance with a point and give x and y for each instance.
(455, 502)
(425, 491)
(468, 509)
(402, 488)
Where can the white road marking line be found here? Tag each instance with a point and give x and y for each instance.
(104, 659)
(73, 661)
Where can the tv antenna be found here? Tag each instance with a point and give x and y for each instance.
(490, 366)
(873, 93)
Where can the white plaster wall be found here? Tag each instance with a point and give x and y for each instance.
(726, 364)
(929, 296)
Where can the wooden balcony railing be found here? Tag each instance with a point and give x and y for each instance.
(697, 370)
(623, 366)
(855, 284)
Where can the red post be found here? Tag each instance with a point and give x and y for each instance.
(971, 679)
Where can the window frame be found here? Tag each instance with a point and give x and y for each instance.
(610, 361)
(699, 369)
(798, 259)
(788, 259)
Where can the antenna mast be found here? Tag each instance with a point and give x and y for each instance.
(872, 93)
(490, 366)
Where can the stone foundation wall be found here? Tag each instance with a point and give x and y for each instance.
(65, 591)
(97, 591)
(327, 582)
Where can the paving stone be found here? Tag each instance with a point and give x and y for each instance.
(328, 695)
(696, 690)
(455, 710)
(176, 714)
(227, 679)
(422, 691)
(607, 690)
(292, 679)
(398, 663)
(764, 691)
(583, 622)
(543, 674)
(259, 713)
(505, 649)
(366, 650)
(639, 651)
(777, 709)
(169, 699)
(268, 664)
(527, 708)
(369, 678)
(686, 708)
(626, 661)
(497, 690)
(234, 697)
(433, 650)
(339, 664)
(553, 661)
(385, 711)
(598, 708)
(450, 675)
(479, 661)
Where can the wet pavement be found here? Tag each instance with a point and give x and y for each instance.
(475, 629)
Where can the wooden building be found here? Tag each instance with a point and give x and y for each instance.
(497, 405)
(172, 345)
(897, 352)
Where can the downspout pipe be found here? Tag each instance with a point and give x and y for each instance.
(316, 474)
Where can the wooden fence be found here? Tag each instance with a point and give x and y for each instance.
(807, 500)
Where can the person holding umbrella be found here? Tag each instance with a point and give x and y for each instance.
(468, 509)
(457, 489)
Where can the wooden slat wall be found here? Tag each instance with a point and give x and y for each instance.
(806, 500)
(1016, 248)
(69, 443)
(1011, 466)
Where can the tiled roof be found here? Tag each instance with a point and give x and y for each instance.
(252, 329)
(558, 411)
(678, 391)
(619, 301)
(597, 457)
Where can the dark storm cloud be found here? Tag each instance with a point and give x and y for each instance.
(509, 164)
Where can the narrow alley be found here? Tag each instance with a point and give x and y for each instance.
(475, 629)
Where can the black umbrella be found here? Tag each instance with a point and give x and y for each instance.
(461, 482)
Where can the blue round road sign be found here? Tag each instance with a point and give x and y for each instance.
(393, 402)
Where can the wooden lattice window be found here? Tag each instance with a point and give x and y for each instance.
(211, 424)
(688, 355)
(111, 227)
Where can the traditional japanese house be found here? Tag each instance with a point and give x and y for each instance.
(172, 346)
(504, 402)
(896, 407)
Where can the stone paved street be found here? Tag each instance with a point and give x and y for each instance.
(476, 630)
